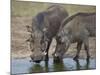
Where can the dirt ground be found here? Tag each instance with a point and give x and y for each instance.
(20, 48)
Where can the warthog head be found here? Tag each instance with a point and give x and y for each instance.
(38, 45)
(62, 45)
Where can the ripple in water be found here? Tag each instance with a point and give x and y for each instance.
(20, 66)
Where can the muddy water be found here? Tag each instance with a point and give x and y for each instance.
(19, 66)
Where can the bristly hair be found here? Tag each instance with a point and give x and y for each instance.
(68, 19)
(40, 20)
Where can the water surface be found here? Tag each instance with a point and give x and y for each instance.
(20, 66)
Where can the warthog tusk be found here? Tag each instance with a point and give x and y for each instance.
(55, 55)
(44, 29)
(44, 53)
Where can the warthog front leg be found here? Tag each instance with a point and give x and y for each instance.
(86, 46)
(79, 44)
(47, 50)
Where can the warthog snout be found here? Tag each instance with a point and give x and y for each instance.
(57, 59)
(38, 58)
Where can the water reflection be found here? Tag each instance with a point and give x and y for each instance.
(68, 64)
(79, 67)
(59, 66)
(36, 68)
(46, 66)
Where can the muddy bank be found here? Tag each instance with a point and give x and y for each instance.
(20, 48)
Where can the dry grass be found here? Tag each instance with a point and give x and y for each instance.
(20, 8)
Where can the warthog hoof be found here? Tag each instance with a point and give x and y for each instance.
(75, 58)
(88, 57)
(57, 60)
(46, 58)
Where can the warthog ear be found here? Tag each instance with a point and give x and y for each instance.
(29, 28)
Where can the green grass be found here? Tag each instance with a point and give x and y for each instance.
(21, 8)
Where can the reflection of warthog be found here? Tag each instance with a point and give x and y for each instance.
(76, 28)
(45, 25)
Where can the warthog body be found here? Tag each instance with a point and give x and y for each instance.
(45, 26)
(75, 28)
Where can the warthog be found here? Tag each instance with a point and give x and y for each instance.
(75, 29)
(45, 26)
